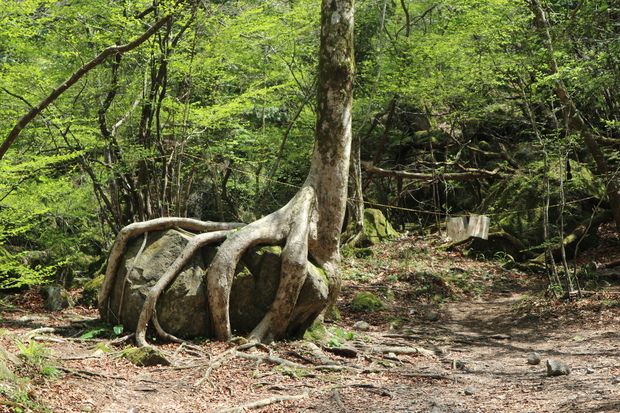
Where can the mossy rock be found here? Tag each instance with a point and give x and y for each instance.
(145, 356)
(377, 228)
(91, 289)
(366, 302)
(316, 332)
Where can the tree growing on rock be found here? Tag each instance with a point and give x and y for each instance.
(308, 226)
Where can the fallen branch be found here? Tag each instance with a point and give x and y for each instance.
(576, 235)
(262, 403)
(468, 174)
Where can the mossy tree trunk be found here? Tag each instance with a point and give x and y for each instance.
(308, 226)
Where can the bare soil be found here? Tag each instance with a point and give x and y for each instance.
(473, 358)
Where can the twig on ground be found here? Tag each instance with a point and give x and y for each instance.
(262, 403)
(86, 373)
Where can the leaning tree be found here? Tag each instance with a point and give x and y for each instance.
(308, 226)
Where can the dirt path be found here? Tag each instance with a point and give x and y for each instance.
(479, 366)
(492, 346)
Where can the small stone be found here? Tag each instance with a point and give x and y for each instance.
(361, 326)
(431, 316)
(533, 359)
(557, 368)
(470, 391)
(589, 370)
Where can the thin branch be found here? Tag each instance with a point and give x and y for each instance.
(77, 75)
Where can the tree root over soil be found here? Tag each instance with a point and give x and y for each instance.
(294, 225)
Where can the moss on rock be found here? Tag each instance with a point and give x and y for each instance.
(145, 356)
(316, 332)
(377, 228)
(367, 302)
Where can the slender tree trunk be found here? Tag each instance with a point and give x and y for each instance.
(572, 118)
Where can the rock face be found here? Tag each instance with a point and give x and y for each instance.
(182, 308)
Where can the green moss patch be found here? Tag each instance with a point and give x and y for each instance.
(366, 302)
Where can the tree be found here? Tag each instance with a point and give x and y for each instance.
(308, 226)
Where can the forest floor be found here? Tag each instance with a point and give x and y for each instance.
(454, 336)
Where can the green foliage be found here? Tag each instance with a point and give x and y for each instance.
(339, 337)
(36, 359)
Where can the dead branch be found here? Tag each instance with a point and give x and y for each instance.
(262, 403)
(468, 174)
(576, 235)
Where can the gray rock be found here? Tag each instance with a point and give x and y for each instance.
(182, 308)
(557, 368)
(533, 358)
(361, 326)
(56, 298)
(470, 391)
(431, 316)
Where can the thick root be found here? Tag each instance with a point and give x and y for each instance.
(151, 299)
(130, 231)
(294, 224)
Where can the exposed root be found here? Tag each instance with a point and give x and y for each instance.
(151, 299)
(137, 228)
(292, 223)
(262, 403)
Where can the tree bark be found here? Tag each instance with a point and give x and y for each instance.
(310, 224)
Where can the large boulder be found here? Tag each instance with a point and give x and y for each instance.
(182, 308)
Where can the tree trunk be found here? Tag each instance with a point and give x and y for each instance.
(311, 222)
(308, 226)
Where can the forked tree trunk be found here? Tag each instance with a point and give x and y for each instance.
(309, 225)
